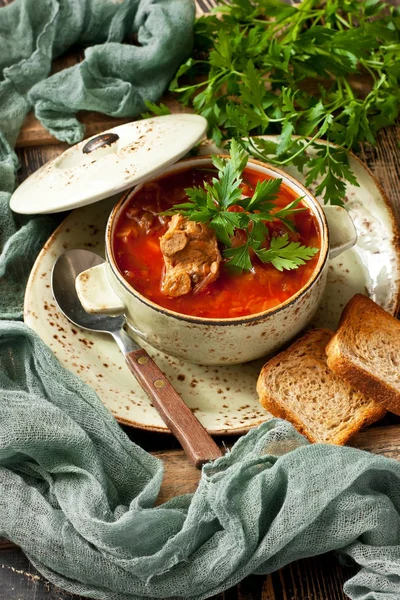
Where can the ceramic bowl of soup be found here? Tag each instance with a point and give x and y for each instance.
(234, 318)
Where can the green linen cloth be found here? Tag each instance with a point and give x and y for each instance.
(75, 493)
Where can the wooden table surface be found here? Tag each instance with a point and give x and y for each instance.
(319, 578)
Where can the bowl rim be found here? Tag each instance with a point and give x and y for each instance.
(183, 165)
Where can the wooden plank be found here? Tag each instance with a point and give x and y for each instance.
(19, 580)
(180, 477)
(320, 578)
(384, 441)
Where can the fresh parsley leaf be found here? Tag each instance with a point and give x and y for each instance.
(155, 110)
(285, 138)
(225, 191)
(224, 224)
(239, 157)
(288, 210)
(264, 194)
(284, 254)
(239, 257)
(332, 186)
(258, 230)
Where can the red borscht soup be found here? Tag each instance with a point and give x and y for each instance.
(137, 252)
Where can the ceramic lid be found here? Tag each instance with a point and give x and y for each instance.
(108, 163)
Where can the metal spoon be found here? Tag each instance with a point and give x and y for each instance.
(197, 443)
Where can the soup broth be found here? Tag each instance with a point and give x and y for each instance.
(137, 253)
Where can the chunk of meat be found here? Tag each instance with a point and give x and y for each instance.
(191, 257)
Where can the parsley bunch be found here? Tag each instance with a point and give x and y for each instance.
(210, 204)
(321, 69)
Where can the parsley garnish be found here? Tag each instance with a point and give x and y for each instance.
(282, 253)
(211, 205)
(266, 67)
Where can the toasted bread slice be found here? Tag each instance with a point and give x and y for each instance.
(365, 351)
(297, 385)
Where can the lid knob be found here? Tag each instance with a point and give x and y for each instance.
(104, 139)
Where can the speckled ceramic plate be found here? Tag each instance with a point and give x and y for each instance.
(223, 398)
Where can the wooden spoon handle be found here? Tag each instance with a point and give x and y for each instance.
(194, 439)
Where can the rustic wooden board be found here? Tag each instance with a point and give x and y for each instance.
(320, 578)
